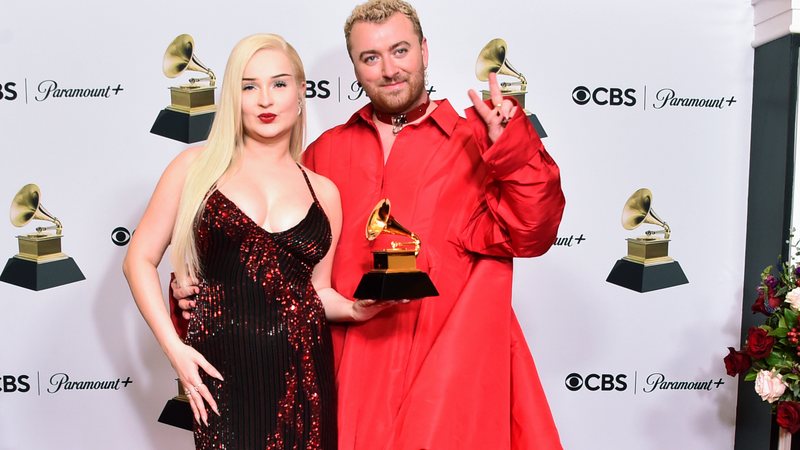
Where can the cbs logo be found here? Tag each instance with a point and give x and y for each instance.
(604, 96)
(8, 91)
(596, 382)
(10, 383)
(120, 236)
(318, 89)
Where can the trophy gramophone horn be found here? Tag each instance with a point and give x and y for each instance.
(492, 58)
(180, 57)
(380, 221)
(638, 209)
(27, 206)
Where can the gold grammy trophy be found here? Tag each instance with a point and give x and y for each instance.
(189, 116)
(40, 263)
(394, 274)
(647, 267)
(492, 58)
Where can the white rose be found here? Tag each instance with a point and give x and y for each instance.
(793, 298)
(769, 385)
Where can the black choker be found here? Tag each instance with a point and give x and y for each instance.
(397, 121)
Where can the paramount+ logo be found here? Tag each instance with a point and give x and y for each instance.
(596, 382)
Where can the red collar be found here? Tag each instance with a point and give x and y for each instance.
(399, 120)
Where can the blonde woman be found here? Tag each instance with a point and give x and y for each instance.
(257, 231)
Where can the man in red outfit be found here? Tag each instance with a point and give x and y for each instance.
(453, 371)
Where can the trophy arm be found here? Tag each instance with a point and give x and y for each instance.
(665, 231)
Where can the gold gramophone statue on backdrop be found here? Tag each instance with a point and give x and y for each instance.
(394, 274)
(493, 59)
(40, 263)
(647, 267)
(189, 116)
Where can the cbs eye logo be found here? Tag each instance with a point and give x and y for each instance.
(120, 236)
(596, 382)
(603, 96)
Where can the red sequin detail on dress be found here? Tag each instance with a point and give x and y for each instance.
(259, 321)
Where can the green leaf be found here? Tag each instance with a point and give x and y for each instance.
(774, 359)
(779, 332)
(791, 317)
(751, 376)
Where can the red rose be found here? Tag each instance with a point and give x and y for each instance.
(759, 344)
(758, 306)
(736, 363)
(789, 416)
(774, 302)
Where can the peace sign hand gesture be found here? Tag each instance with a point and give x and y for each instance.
(496, 118)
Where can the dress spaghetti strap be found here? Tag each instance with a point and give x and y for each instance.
(308, 182)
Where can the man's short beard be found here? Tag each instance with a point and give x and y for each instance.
(394, 105)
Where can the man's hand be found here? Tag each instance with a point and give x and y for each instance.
(496, 118)
(185, 297)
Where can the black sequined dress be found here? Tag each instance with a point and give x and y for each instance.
(259, 321)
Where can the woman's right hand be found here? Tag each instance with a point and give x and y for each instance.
(187, 362)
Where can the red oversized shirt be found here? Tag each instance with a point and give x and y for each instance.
(454, 371)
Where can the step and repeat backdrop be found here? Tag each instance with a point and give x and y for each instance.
(632, 95)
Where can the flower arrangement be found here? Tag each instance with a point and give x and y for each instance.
(771, 354)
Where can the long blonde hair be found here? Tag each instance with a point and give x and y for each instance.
(223, 147)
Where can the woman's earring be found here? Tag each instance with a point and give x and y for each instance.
(426, 76)
(299, 108)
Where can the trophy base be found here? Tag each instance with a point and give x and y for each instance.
(644, 278)
(380, 285)
(183, 127)
(177, 413)
(537, 125)
(42, 275)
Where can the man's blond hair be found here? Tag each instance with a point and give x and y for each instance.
(379, 11)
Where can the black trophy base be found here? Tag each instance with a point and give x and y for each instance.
(380, 285)
(537, 126)
(177, 413)
(182, 126)
(45, 275)
(641, 278)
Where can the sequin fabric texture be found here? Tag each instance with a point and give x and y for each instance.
(259, 321)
